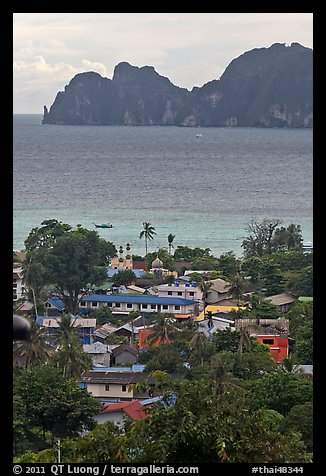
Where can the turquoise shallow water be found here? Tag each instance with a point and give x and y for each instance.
(204, 190)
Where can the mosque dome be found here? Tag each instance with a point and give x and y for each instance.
(157, 263)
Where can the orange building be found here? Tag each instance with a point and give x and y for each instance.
(278, 345)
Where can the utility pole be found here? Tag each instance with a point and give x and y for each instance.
(59, 451)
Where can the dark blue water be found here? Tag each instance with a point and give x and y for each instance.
(202, 189)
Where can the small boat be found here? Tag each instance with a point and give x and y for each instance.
(103, 225)
(199, 135)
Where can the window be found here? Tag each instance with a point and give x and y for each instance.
(117, 304)
(123, 388)
(191, 293)
(82, 303)
(177, 308)
(153, 306)
(107, 387)
(14, 296)
(144, 306)
(268, 341)
(14, 285)
(179, 293)
(94, 304)
(169, 293)
(129, 306)
(165, 306)
(109, 304)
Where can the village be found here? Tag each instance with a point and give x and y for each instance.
(150, 316)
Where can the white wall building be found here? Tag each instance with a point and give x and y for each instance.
(18, 290)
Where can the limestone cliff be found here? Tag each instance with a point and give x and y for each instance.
(264, 87)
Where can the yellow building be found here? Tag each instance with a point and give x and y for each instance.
(215, 309)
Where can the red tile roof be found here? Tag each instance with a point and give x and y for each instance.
(134, 409)
(139, 265)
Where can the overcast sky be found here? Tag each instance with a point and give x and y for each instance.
(189, 48)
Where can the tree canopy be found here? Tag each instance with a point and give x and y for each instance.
(74, 260)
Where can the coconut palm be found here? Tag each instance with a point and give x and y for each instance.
(236, 287)
(289, 365)
(209, 316)
(34, 280)
(69, 355)
(205, 286)
(244, 342)
(147, 233)
(170, 241)
(35, 351)
(161, 331)
(221, 373)
(198, 344)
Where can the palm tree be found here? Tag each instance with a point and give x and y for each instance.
(198, 344)
(236, 287)
(289, 365)
(36, 350)
(148, 233)
(70, 355)
(244, 342)
(205, 287)
(161, 331)
(209, 316)
(221, 374)
(170, 241)
(34, 279)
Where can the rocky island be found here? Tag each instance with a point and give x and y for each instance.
(264, 87)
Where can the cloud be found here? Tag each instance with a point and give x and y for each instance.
(97, 67)
(188, 48)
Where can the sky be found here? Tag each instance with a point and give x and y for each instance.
(49, 49)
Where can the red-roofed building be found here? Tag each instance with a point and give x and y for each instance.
(119, 412)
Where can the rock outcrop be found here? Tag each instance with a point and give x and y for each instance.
(264, 87)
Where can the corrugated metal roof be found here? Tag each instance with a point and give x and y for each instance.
(57, 302)
(143, 299)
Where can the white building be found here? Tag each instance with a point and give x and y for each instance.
(188, 290)
(18, 290)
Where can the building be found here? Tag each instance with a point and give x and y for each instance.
(85, 327)
(158, 270)
(124, 303)
(121, 412)
(123, 355)
(18, 290)
(120, 262)
(278, 345)
(100, 353)
(283, 301)
(188, 290)
(218, 311)
(115, 386)
(218, 291)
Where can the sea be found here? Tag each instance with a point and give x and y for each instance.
(203, 185)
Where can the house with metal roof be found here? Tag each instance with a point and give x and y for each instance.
(85, 327)
(115, 386)
(124, 303)
(119, 413)
(283, 301)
